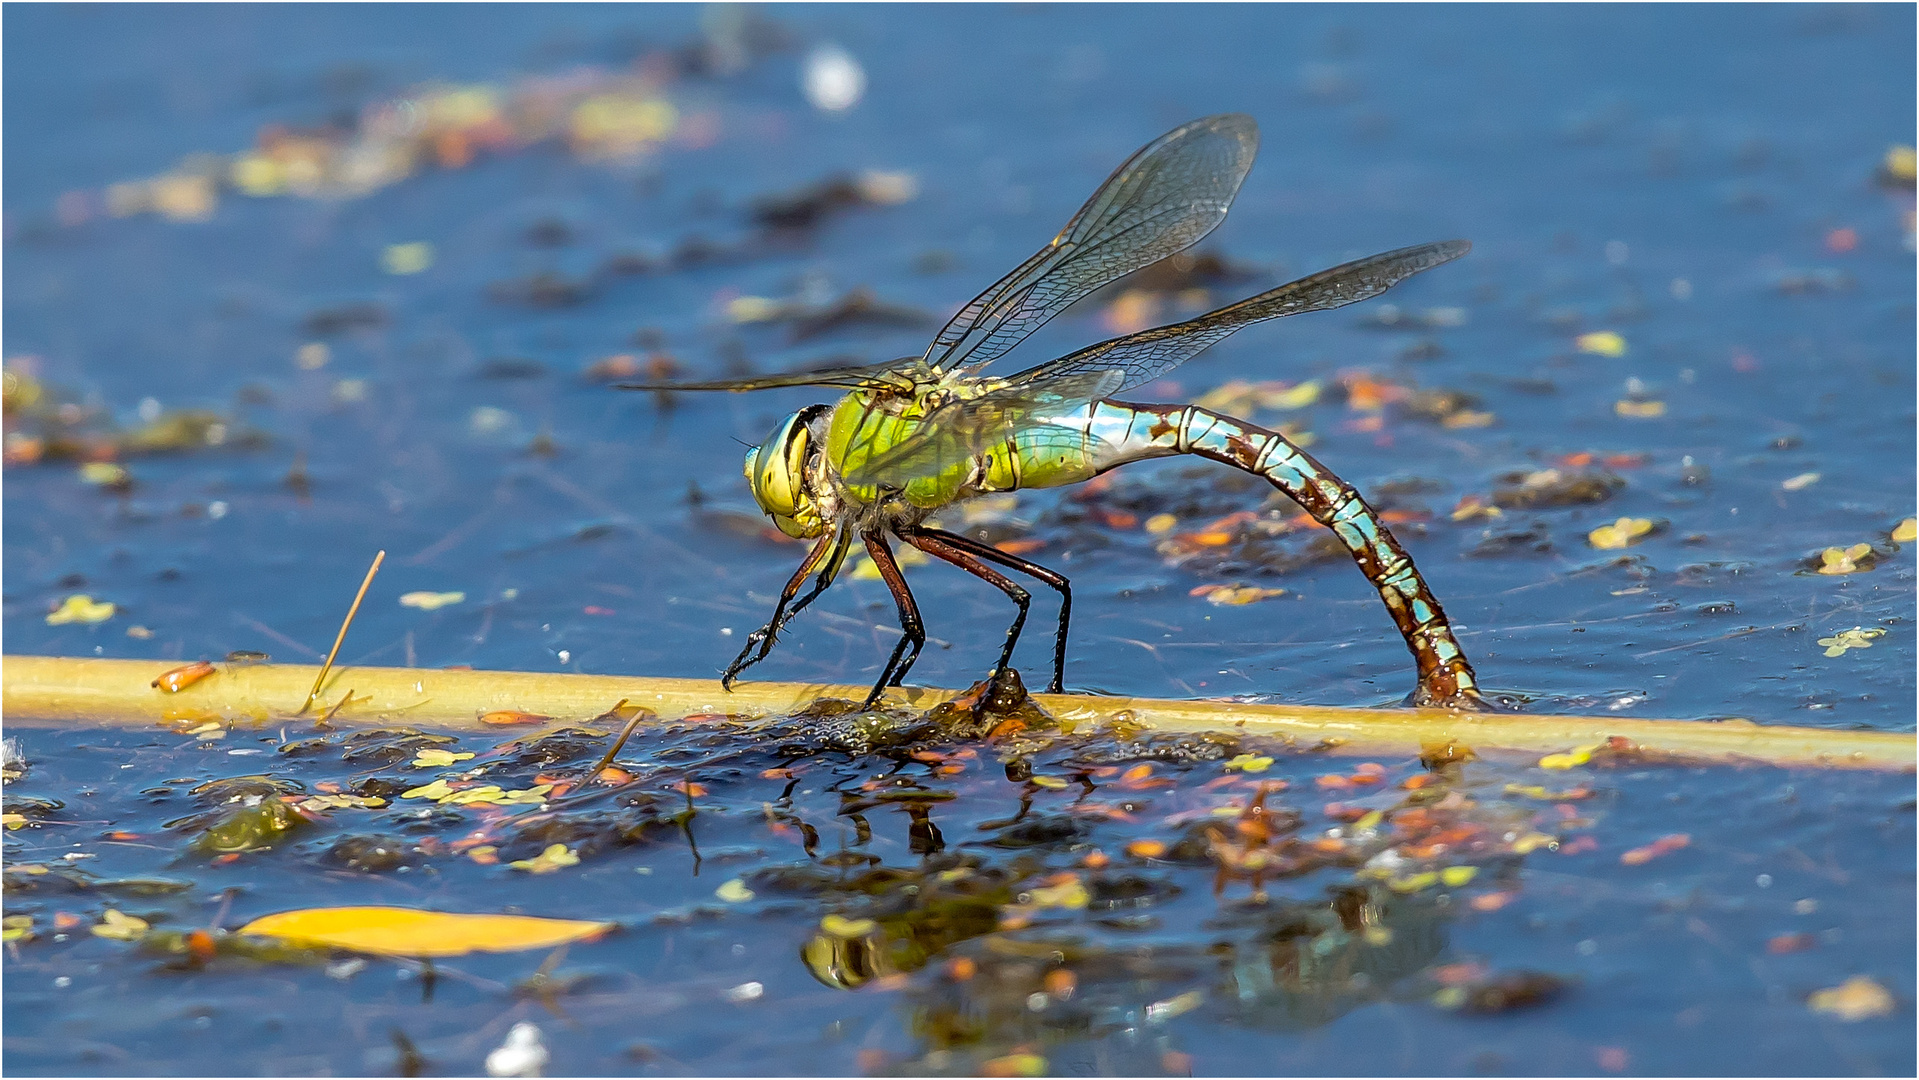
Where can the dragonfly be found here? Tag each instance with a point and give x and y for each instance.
(915, 436)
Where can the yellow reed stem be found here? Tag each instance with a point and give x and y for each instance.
(46, 691)
(345, 625)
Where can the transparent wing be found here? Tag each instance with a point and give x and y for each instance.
(1161, 201)
(876, 376)
(1145, 356)
(961, 430)
(1038, 405)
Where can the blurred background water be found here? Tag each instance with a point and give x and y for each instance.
(1693, 271)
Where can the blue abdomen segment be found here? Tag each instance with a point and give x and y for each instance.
(1122, 432)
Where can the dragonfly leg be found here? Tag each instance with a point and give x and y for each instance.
(831, 550)
(1013, 562)
(913, 632)
(935, 544)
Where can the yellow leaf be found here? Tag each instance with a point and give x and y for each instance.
(1906, 531)
(555, 857)
(1467, 418)
(734, 892)
(13, 821)
(1052, 782)
(1858, 998)
(1532, 842)
(394, 931)
(1473, 506)
(120, 927)
(492, 795)
(1621, 533)
(1644, 410)
(430, 758)
(866, 570)
(1297, 397)
(1015, 1065)
(1415, 882)
(1236, 595)
(431, 601)
(258, 175)
(80, 608)
(754, 309)
(1850, 560)
(1802, 481)
(438, 789)
(1855, 638)
(1569, 760)
(1456, 876)
(1901, 164)
(840, 926)
(1250, 763)
(1601, 343)
(103, 473)
(341, 802)
(1161, 524)
(400, 259)
(1073, 894)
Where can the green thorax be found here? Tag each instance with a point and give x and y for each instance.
(866, 424)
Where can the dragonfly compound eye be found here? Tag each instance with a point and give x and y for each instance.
(776, 471)
(773, 468)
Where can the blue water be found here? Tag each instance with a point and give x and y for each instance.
(1663, 172)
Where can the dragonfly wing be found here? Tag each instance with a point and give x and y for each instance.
(1160, 202)
(1140, 358)
(877, 376)
(963, 429)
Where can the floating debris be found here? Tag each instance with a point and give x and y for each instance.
(1850, 560)
(1601, 343)
(1623, 533)
(1855, 638)
(81, 608)
(431, 601)
(832, 80)
(174, 680)
(1858, 998)
(522, 1054)
(1542, 488)
(811, 206)
(1898, 169)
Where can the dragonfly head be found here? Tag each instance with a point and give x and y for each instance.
(776, 470)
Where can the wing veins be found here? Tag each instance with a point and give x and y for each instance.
(1169, 195)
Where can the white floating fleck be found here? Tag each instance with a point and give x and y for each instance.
(832, 80)
(746, 991)
(523, 1054)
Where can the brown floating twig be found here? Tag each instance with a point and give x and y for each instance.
(632, 722)
(46, 691)
(335, 651)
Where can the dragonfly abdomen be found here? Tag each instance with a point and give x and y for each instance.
(1118, 433)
